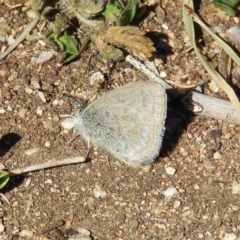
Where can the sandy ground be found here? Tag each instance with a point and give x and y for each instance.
(199, 161)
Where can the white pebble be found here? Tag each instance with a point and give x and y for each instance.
(47, 144)
(235, 187)
(217, 155)
(230, 236)
(22, 112)
(196, 186)
(97, 77)
(213, 86)
(39, 111)
(1, 228)
(165, 26)
(10, 40)
(27, 183)
(49, 181)
(169, 192)
(163, 74)
(176, 204)
(35, 83)
(2, 110)
(26, 233)
(41, 95)
(170, 170)
(44, 57)
(200, 235)
(69, 123)
(83, 231)
(56, 102)
(98, 193)
(28, 90)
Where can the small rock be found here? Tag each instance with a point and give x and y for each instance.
(176, 204)
(2, 110)
(22, 112)
(146, 168)
(69, 123)
(235, 187)
(213, 86)
(230, 236)
(39, 111)
(196, 186)
(170, 170)
(26, 233)
(44, 57)
(169, 192)
(1, 226)
(98, 193)
(84, 231)
(28, 90)
(217, 155)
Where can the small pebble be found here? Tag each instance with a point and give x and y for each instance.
(169, 192)
(235, 187)
(170, 170)
(230, 236)
(26, 233)
(47, 144)
(44, 57)
(69, 123)
(22, 112)
(98, 193)
(83, 231)
(147, 168)
(28, 90)
(1, 226)
(165, 26)
(2, 110)
(217, 155)
(39, 111)
(176, 204)
(196, 186)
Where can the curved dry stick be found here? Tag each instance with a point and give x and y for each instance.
(50, 164)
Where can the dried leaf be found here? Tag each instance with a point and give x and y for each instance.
(130, 37)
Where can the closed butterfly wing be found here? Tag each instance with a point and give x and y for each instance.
(127, 122)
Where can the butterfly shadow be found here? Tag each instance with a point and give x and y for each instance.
(176, 122)
(7, 142)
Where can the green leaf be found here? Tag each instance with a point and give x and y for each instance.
(231, 3)
(128, 13)
(109, 10)
(69, 44)
(4, 177)
(228, 10)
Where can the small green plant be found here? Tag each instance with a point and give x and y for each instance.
(109, 29)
